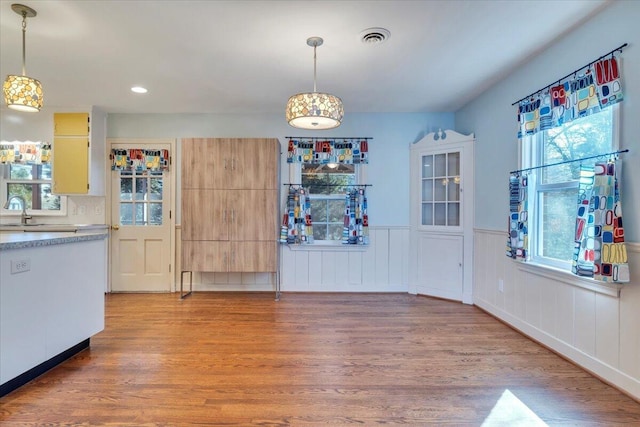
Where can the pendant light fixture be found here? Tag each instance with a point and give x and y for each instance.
(21, 92)
(314, 110)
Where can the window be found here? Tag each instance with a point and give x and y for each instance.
(33, 184)
(141, 198)
(326, 184)
(553, 190)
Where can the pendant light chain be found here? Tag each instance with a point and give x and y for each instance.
(24, 44)
(315, 46)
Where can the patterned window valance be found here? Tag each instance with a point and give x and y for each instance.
(582, 93)
(25, 152)
(328, 150)
(139, 160)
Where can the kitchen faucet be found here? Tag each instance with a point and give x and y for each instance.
(24, 217)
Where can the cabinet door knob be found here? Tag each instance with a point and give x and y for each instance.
(115, 227)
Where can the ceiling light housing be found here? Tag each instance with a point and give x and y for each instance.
(23, 93)
(314, 110)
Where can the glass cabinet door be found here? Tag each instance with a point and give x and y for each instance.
(441, 189)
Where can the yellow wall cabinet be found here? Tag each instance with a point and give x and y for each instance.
(79, 153)
(230, 204)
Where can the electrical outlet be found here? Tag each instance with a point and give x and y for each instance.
(501, 285)
(82, 210)
(20, 265)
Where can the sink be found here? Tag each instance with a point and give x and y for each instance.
(52, 227)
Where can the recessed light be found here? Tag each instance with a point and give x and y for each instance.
(138, 89)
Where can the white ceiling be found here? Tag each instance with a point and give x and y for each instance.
(250, 56)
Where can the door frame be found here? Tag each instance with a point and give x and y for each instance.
(142, 142)
(433, 143)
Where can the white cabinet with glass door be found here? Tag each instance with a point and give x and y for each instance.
(442, 216)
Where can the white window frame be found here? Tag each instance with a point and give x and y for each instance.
(295, 176)
(531, 156)
(5, 180)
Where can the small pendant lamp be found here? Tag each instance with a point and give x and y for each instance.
(23, 93)
(314, 110)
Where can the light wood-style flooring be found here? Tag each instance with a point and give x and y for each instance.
(242, 359)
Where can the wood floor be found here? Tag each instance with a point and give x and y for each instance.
(227, 359)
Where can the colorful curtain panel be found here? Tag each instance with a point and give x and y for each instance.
(139, 160)
(599, 87)
(600, 251)
(356, 220)
(518, 240)
(322, 151)
(26, 153)
(296, 222)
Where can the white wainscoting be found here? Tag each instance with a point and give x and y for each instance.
(383, 266)
(593, 327)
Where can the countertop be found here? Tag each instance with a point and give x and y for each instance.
(29, 239)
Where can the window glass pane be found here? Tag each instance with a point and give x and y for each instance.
(588, 136)
(327, 178)
(141, 213)
(126, 188)
(427, 190)
(336, 210)
(155, 213)
(440, 191)
(319, 211)
(453, 164)
(335, 232)
(319, 232)
(427, 214)
(126, 213)
(21, 172)
(558, 228)
(440, 214)
(141, 188)
(453, 189)
(453, 214)
(155, 191)
(440, 165)
(427, 166)
(22, 190)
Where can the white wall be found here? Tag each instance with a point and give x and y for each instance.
(381, 266)
(597, 331)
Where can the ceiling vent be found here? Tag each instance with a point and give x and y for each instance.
(374, 36)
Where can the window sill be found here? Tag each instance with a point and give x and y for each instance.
(610, 289)
(327, 246)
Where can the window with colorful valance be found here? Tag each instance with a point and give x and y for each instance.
(328, 150)
(587, 91)
(139, 160)
(26, 153)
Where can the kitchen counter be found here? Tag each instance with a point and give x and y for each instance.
(52, 287)
(27, 239)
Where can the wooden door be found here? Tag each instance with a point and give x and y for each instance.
(141, 222)
(253, 215)
(205, 214)
(254, 163)
(206, 163)
(205, 255)
(253, 256)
